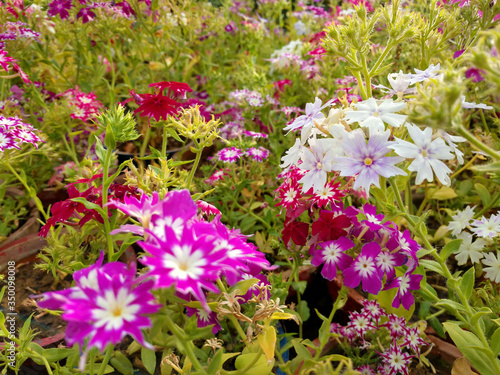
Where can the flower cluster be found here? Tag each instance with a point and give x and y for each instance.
(485, 230)
(185, 251)
(371, 323)
(83, 106)
(14, 132)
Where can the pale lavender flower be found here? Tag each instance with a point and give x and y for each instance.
(367, 160)
(306, 122)
(427, 155)
(487, 228)
(422, 75)
(372, 115)
(399, 83)
(468, 105)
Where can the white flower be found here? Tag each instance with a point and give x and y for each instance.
(461, 220)
(300, 27)
(468, 105)
(422, 75)
(487, 228)
(427, 155)
(292, 155)
(470, 250)
(493, 269)
(399, 83)
(451, 139)
(306, 122)
(371, 115)
(317, 162)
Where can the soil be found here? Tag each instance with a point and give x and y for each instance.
(30, 281)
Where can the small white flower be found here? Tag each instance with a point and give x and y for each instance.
(306, 122)
(427, 155)
(399, 83)
(468, 249)
(461, 220)
(371, 115)
(300, 27)
(472, 105)
(450, 140)
(292, 155)
(493, 266)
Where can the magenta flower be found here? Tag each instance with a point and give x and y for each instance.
(396, 326)
(60, 7)
(331, 253)
(229, 155)
(386, 262)
(14, 132)
(405, 284)
(258, 154)
(360, 323)
(5, 60)
(205, 318)
(364, 269)
(190, 262)
(413, 340)
(367, 161)
(106, 304)
(86, 14)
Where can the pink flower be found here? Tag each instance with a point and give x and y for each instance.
(405, 284)
(396, 360)
(205, 318)
(4, 60)
(258, 154)
(60, 7)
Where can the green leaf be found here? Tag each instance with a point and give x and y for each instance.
(475, 318)
(450, 248)
(303, 310)
(495, 342)
(442, 193)
(56, 354)
(243, 286)
(100, 150)
(467, 283)
(215, 363)
(109, 138)
(465, 342)
(261, 366)
(97, 369)
(448, 302)
(301, 350)
(89, 205)
(432, 265)
(299, 286)
(122, 364)
(483, 193)
(148, 358)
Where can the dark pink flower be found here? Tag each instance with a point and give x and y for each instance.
(60, 7)
(476, 75)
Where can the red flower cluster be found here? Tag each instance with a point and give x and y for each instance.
(158, 105)
(62, 211)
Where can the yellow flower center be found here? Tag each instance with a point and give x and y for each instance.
(319, 165)
(375, 114)
(368, 161)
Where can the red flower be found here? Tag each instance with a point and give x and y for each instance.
(297, 231)
(179, 89)
(330, 226)
(157, 106)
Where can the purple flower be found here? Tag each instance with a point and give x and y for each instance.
(474, 74)
(331, 253)
(86, 14)
(60, 7)
(229, 155)
(405, 284)
(364, 269)
(386, 262)
(258, 154)
(367, 161)
(106, 304)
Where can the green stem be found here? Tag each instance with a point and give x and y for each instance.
(184, 343)
(145, 141)
(195, 165)
(107, 356)
(30, 191)
(476, 143)
(105, 186)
